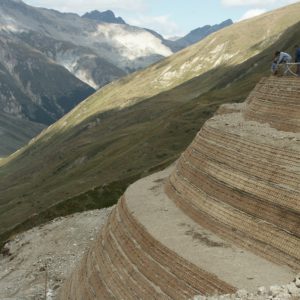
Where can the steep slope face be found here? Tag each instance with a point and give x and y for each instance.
(137, 124)
(236, 187)
(34, 87)
(105, 16)
(80, 61)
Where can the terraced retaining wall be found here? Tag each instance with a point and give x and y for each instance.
(240, 179)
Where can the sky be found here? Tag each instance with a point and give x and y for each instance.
(169, 17)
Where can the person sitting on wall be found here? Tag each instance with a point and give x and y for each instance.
(297, 58)
(280, 58)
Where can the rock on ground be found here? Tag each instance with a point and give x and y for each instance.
(40, 259)
(290, 291)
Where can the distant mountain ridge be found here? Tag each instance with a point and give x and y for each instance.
(200, 33)
(175, 44)
(107, 16)
(196, 35)
(51, 61)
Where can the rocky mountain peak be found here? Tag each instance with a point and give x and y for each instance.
(107, 16)
(227, 22)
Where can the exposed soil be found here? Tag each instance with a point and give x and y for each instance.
(39, 260)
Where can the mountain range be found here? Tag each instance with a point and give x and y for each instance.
(51, 61)
(107, 16)
(138, 124)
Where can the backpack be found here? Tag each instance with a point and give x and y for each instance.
(298, 55)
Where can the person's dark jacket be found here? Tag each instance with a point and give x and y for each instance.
(297, 55)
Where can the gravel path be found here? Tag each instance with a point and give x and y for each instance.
(47, 253)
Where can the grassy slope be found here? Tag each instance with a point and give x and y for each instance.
(141, 123)
(15, 132)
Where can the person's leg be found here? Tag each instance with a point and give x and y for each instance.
(274, 68)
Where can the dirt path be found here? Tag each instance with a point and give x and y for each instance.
(169, 225)
(50, 251)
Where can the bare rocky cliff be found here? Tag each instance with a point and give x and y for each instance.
(34, 87)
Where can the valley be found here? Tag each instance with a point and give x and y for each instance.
(51, 61)
(192, 156)
(139, 124)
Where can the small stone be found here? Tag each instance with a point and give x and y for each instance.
(275, 290)
(292, 289)
(199, 298)
(223, 297)
(251, 296)
(297, 281)
(227, 296)
(297, 277)
(282, 296)
(242, 293)
(261, 290)
(5, 251)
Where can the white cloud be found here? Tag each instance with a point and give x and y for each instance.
(162, 24)
(257, 7)
(257, 3)
(247, 2)
(252, 13)
(133, 11)
(82, 6)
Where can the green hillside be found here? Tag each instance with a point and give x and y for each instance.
(15, 132)
(138, 124)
